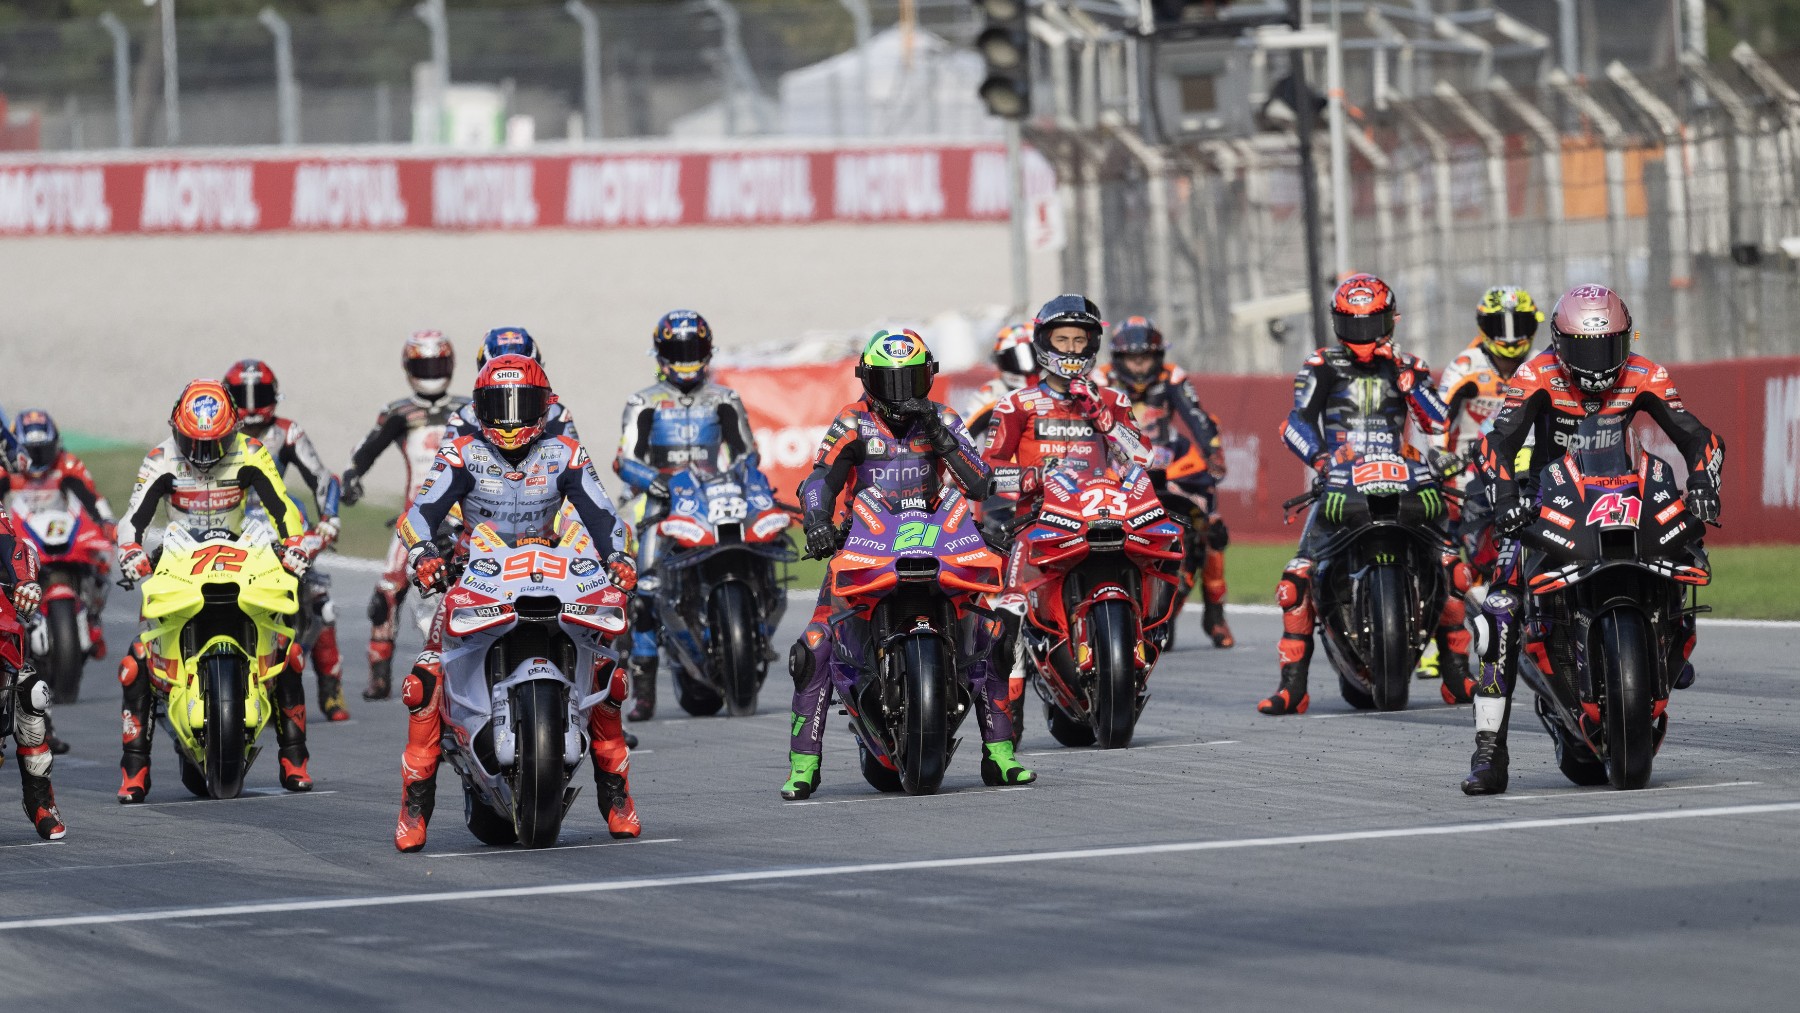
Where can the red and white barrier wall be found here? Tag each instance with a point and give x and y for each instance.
(1753, 404)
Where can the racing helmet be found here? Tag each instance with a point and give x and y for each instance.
(202, 421)
(39, 440)
(1067, 311)
(505, 341)
(1591, 331)
(512, 396)
(1363, 312)
(254, 391)
(1136, 336)
(683, 346)
(1508, 320)
(895, 367)
(1012, 354)
(430, 361)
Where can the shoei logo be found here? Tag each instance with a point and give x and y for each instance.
(508, 375)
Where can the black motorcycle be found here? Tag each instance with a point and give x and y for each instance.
(1614, 556)
(1378, 583)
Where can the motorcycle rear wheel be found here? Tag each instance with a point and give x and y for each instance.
(1627, 670)
(541, 710)
(695, 697)
(1067, 730)
(1573, 757)
(877, 773)
(731, 614)
(222, 678)
(488, 826)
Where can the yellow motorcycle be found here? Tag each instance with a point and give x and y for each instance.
(218, 606)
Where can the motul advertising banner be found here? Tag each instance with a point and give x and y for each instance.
(343, 193)
(1753, 404)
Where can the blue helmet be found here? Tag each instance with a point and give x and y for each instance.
(507, 341)
(683, 344)
(39, 440)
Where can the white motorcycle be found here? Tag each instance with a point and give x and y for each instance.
(524, 628)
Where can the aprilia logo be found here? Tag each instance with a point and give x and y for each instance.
(1597, 441)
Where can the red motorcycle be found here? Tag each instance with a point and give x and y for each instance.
(1099, 557)
(74, 556)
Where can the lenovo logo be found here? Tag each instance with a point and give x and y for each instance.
(1064, 429)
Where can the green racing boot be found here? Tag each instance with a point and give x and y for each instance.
(998, 767)
(803, 776)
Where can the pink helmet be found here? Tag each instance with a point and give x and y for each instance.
(1591, 331)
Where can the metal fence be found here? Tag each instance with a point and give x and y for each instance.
(660, 62)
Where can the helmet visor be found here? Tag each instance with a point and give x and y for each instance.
(1506, 328)
(1594, 356)
(894, 384)
(511, 407)
(1363, 330)
(202, 454)
(1017, 360)
(40, 454)
(253, 398)
(684, 347)
(436, 368)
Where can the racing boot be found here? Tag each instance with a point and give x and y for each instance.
(134, 762)
(616, 805)
(417, 798)
(643, 688)
(1487, 766)
(1290, 696)
(381, 675)
(1212, 620)
(999, 767)
(31, 704)
(96, 638)
(40, 801)
(803, 777)
(1457, 685)
(1429, 660)
(328, 667)
(1296, 646)
(290, 730)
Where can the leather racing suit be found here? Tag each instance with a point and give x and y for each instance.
(1473, 387)
(24, 695)
(518, 497)
(200, 500)
(665, 428)
(67, 486)
(416, 425)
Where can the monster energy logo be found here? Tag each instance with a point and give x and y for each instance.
(1334, 507)
(1434, 502)
(1383, 558)
(1368, 392)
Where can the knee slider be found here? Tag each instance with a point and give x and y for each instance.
(800, 664)
(420, 684)
(381, 605)
(34, 692)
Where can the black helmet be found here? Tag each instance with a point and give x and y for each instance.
(1136, 336)
(1067, 311)
(683, 344)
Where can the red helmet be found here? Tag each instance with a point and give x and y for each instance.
(1012, 352)
(1363, 314)
(430, 361)
(512, 396)
(202, 420)
(1591, 331)
(253, 391)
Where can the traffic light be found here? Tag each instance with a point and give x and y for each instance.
(1005, 45)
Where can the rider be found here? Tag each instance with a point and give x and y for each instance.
(1473, 386)
(31, 694)
(1017, 367)
(1160, 396)
(416, 424)
(1357, 396)
(254, 392)
(51, 478)
(205, 470)
(681, 418)
(510, 341)
(898, 440)
(512, 399)
(1589, 368)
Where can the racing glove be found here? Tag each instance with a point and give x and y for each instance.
(1703, 498)
(295, 558)
(1088, 405)
(930, 423)
(327, 530)
(821, 538)
(26, 597)
(134, 563)
(427, 567)
(622, 570)
(350, 487)
(1512, 515)
(658, 487)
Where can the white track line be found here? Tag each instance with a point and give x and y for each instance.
(1127, 752)
(1628, 794)
(250, 796)
(764, 875)
(32, 844)
(893, 797)
(562, 847)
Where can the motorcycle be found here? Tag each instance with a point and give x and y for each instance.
(717, 594)
(1378, 583)
(1194, 520)
(217, 604)
(1100, 556)
(1616, 557)
(910, 577)
(73, 554)
(527, 629)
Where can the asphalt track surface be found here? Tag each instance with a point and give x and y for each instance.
(1227, 861)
